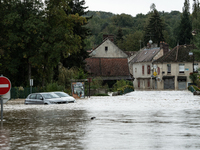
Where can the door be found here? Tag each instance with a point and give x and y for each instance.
(155, 84)
(181, 85)
(169, 83)
(39, 99)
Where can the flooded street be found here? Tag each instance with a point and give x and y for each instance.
(141, 120)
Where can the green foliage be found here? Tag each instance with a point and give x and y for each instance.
(155, 28)
(185, 26)
(194, 77)
(54, 87)
(125, 89)
(97, 83)
(121, 83)
(80, 74)
(108, 23)
(37, 35)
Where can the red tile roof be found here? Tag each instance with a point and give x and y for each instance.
(107, 67)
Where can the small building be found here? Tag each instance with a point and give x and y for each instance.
(172, 70)
(108, 62)
(142, 65)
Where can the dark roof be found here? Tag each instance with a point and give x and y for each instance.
(178, 54)
(107, 67)
(146, 55)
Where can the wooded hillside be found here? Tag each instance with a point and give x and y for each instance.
(132, 28)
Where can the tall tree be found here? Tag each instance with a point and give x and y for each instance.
(155, 27)
(119, 39)
(77, 59)
(185, 26)
(196, 17)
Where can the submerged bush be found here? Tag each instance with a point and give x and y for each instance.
(54, 87)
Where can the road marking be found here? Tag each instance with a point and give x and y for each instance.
(4, 85)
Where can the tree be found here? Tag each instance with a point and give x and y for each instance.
(154, 29)
(119, 38)
(133, 41)
(77, 59)
(185, 26)
(196, 17)
(20, 22)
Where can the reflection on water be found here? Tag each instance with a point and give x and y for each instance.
(170, 121)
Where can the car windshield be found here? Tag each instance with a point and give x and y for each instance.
(62, 94)
(49, 95)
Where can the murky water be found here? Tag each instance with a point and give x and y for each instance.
(141, 120)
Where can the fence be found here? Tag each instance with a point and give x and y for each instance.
(17, 92)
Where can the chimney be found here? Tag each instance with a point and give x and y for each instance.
(109, 36)
(165, 48)
(161, 44)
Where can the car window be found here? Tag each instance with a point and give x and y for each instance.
(50, 95)
(32, 96)
(39, 96)
(61, 94)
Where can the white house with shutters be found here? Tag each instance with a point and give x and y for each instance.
(142, 65)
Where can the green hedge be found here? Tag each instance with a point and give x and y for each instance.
(125, 89)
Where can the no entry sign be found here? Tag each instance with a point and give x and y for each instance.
(5, 85)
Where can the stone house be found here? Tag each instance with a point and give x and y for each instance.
(172, 70)
(108, 61)
(142, 65)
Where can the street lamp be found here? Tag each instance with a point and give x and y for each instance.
(191, 54)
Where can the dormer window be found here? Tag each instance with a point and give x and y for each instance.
(106, 48)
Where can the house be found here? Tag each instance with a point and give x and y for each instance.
(108, 61)
(142, 65)
(172, 70)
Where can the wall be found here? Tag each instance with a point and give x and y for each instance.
(137, 73)
(112, 52)
(175, 72)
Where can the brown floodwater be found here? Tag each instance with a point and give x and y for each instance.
(141, 120)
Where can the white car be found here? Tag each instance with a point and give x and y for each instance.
(66, 97)
(44, 98)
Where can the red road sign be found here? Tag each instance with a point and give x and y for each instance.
(5, 85)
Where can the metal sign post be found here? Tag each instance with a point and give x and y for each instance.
(5, 86)
(1, 107)
(31, 84)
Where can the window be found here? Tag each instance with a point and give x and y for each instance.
(148, 69)
(33, 96)
(168, 68)
(196, 67)
(143, 69)
(38, 96)
(181, 68)
(106, 48)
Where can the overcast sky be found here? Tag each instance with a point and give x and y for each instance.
(134, 7)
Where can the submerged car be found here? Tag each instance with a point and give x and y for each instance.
(44, 98)
(66, 97)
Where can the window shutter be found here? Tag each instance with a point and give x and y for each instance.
(142, 69)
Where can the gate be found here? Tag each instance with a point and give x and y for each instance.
(182, 85)
(169, 83)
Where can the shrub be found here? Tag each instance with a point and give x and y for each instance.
(54, 87)
(125, 89)
(120, 84)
